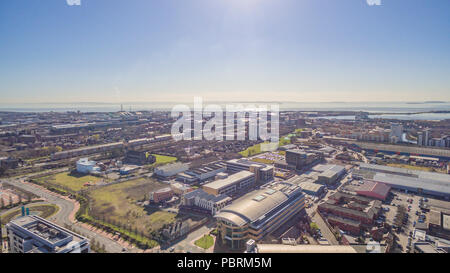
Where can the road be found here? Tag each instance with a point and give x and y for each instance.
(62, 217)
(187, 244)
(326, 232)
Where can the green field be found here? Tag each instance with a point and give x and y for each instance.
(43, 211)
(163, 159)
(72, 181)
(117, 203)
(205, 242)
(256, 149)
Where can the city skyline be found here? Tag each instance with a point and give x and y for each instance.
(153, 51)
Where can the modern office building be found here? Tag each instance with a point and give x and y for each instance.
(396, 132)
(203, 200)
(297, 158)
(237, 182)
(263, 172)
(84, 165)
(33, 234)
(259, 213)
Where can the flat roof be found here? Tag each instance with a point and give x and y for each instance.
(443, 152)
(230, 180)
(380, 189)
(173, 166)
(412, 182)
(308, 186)
(446, 221)
(323, 168)
(280, 248)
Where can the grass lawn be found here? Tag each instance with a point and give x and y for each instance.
(256, 149)
(74, 182)
(205, 242)
(43, 211)
(118, 202)
(164, 159)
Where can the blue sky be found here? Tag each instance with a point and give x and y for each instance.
(173, 50)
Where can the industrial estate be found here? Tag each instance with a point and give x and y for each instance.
(119, 182)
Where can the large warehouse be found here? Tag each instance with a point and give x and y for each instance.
(375, 190)
(435, 184)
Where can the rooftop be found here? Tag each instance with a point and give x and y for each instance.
(172, 167)
(205, 196)
(232, 179)
(279, 248)
(380, 189)
(258, 204)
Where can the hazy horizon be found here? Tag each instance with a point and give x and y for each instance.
(225, 50)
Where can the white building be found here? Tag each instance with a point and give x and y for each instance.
(171, 169)
(84, 165)
(396, 132)
(200, 198)
(33, 234)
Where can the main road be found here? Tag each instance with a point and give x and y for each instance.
(66, 208)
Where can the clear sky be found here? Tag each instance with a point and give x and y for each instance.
(173, 50)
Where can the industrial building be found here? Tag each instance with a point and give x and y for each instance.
(259, 213)
(329, 173)
(237, 182)
(281, 248)
(170, 170)
(203, 200)
(439, 224)
(33, 234)
(263, 172)
(161, 195)
(375, 190)
(312, 188)
(202, 173)
(436, 184)
(307, 184)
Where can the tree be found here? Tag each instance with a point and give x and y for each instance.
(313, 226)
